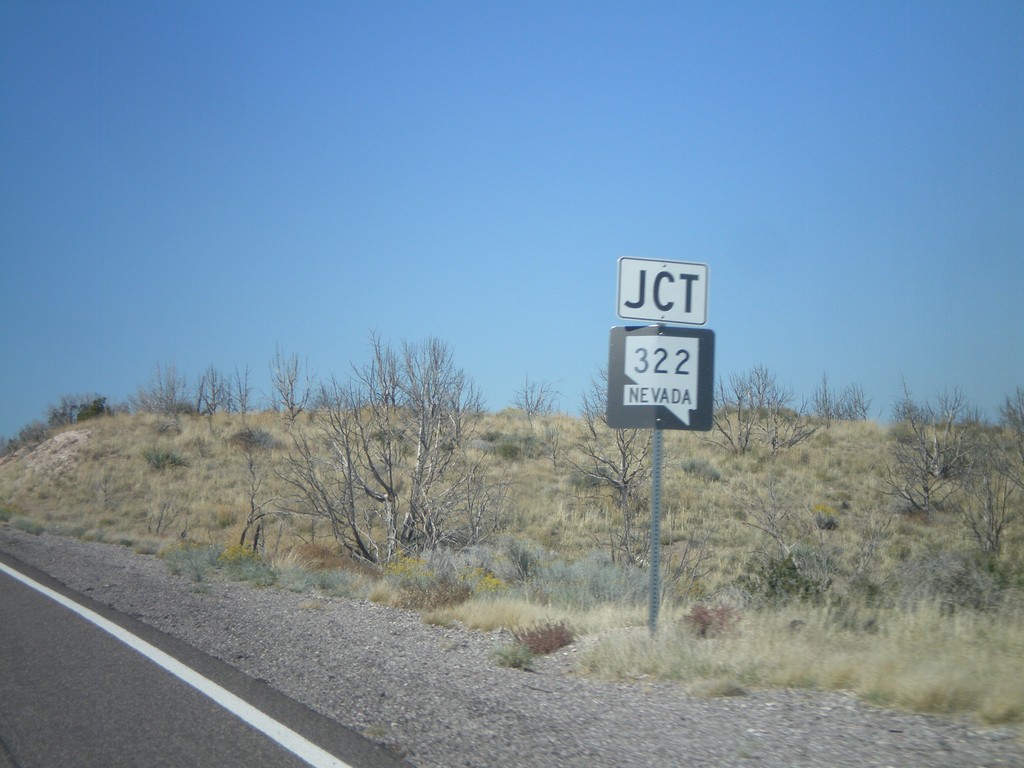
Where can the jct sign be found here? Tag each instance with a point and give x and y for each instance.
(663, 291)
(661, 378)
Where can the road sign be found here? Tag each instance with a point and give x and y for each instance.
(661, 377)
(663, 291)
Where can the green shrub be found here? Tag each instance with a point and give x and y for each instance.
(242, 564)
(254, 438)
(161, 458)
(336, 583)
(780, 580)
(422, 587)
(509, 451)
(28, 526)
(523, 560)
(953, 580)
(701, 468)
(253, 571)
(192, 561)
(92, 409)
(515, 656)
(589, 580)
(518, 447)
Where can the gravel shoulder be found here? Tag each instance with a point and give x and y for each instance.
(434, 695)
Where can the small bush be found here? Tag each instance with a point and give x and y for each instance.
(161, 458)
(256, 572)
(191, 561)
(510, 451)
(236, 554)
(28, 526)
(439, 592)
(953, 580)
(701, 468)
(421, 587)
(544, 639)
(254, 438)
(93, 409)
(524, 560)
(825, 517)
(242, 564)
(779, 580)
(710, 621)
(589, 580)
(515, 656)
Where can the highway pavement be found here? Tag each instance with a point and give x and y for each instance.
(74, 694)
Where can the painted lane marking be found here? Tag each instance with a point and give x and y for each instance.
(295, 743)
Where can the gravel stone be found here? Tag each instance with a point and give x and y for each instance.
(435, 696)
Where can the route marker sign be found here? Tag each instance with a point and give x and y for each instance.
(661, 378)
(663, 291)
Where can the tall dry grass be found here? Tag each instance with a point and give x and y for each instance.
(923, 659)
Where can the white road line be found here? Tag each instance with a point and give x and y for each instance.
(279, 732)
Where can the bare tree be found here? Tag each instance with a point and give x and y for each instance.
(850, 405)
(755, 409)
(291, 386)
(931, 450)
(617, 462)
(854, 404)
(321, 474)
(389, 466)
(1012, 420)
(736, 415)
(213, 393)
(988, 507)
(167, 393)
(241, 391)
(255, 475)
(535, 399)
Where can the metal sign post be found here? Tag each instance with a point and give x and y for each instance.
(654, 593)
(658, 376)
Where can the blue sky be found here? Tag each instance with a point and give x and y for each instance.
(202, 183)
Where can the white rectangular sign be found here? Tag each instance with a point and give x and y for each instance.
(663, 291)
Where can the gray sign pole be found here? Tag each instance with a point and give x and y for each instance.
(655, 588)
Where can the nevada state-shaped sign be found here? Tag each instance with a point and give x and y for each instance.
(661, 377)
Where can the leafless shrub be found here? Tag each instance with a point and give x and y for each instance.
(708, 621)
(931, 450)
(989, 503)
(387, 462)
(753, 409)
(544, 638)
(535, 399)
(291, 385)
(163, 513)
(166, 394)
(852, 404)
(213, 393)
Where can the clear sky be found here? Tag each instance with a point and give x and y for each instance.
(199, 183)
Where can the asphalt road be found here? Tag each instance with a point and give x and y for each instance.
(72, 694)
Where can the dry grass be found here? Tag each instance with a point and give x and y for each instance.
(101, 486)
(923, 660)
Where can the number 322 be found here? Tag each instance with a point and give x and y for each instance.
(660, 357)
